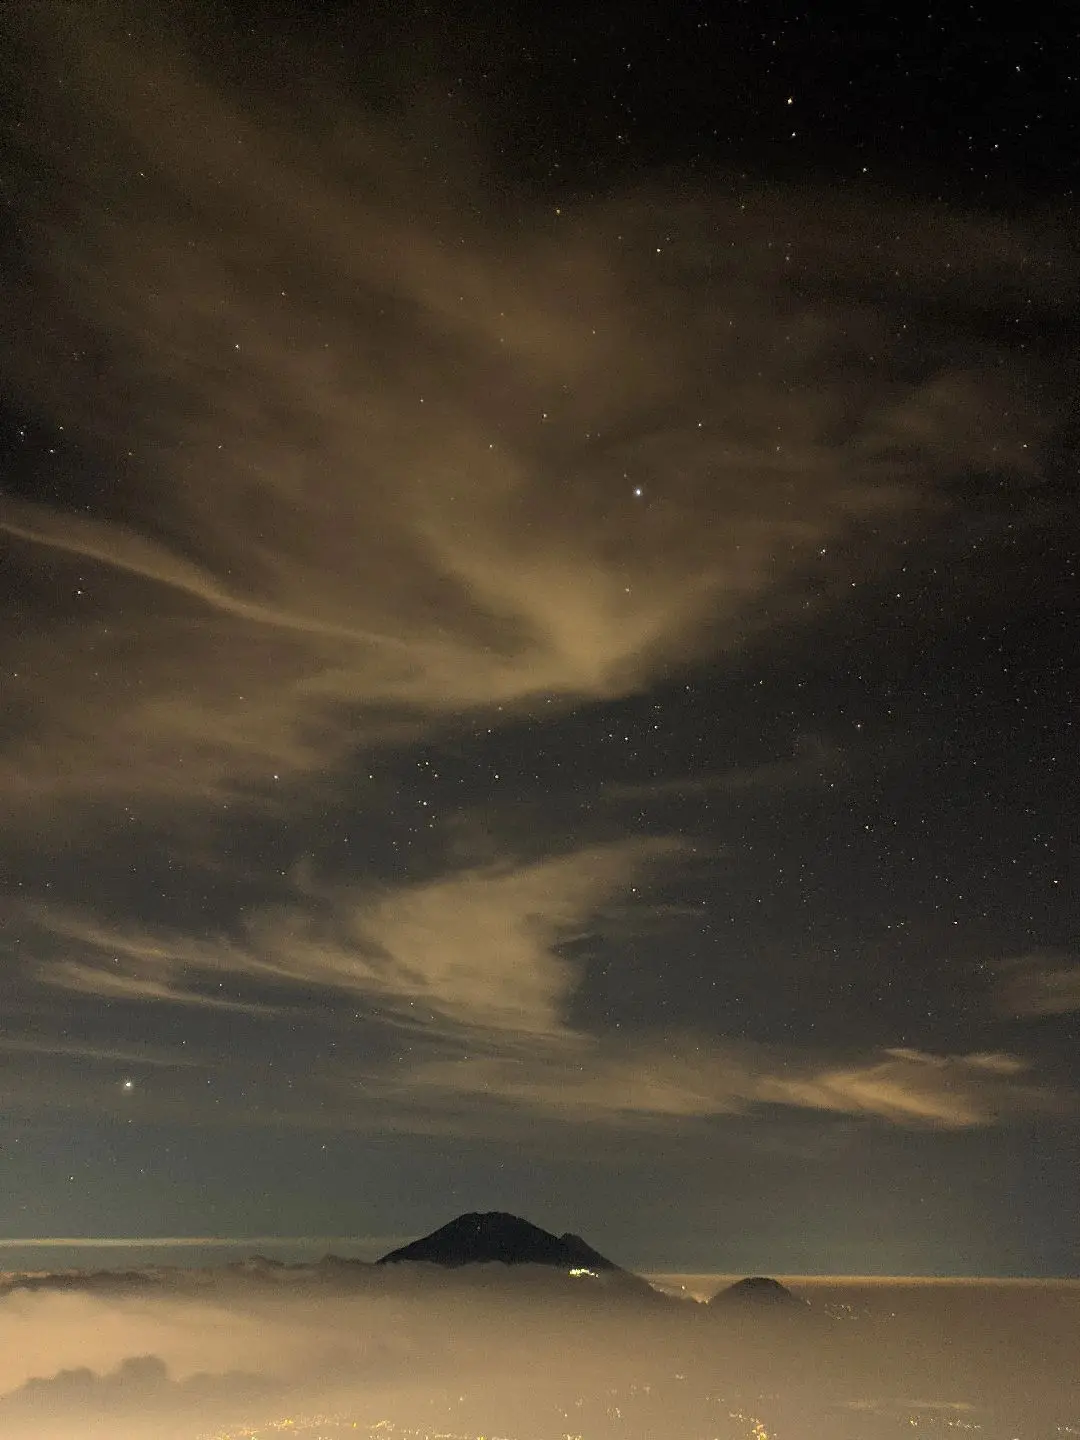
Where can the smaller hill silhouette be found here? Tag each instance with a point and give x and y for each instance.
(495, 1237)
(757, 1290)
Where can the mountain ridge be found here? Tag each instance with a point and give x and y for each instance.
(497, 1237)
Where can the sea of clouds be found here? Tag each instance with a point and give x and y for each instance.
(255, 1350)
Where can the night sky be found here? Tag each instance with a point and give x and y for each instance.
(538, 630)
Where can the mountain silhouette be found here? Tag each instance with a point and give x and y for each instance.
(496, 1237)
(757, 1290)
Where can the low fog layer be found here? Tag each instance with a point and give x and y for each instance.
(342, 1346)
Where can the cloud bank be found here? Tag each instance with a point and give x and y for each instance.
(328, 1353)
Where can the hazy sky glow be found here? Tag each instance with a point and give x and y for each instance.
(522, 688)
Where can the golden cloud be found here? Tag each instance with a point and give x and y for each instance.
(587, 1080)
(377, 460)
(474, 950)
(474, 967)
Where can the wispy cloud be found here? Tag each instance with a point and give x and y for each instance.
(916, 1088)
(103, 1054)
(473, 969)
(380, 463)
(88, 979)
(477, 463)
(815, 761)
(671, 1078)
(1043, 983)
(476, 948)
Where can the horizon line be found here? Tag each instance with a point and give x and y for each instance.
(197, 1242)
(833, 1276)
(164, 1242)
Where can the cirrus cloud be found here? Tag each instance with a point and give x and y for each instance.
(376, 461)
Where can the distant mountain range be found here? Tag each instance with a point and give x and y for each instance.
(477, 1239)
(494, 1237)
